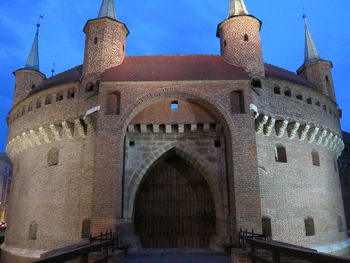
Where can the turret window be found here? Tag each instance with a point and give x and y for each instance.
(33, 86)
(59, 96)
(309, 226)
(340, 224)
(95, 40)
(85, 229)
(246, 38)
(309, 101)
(48, 100)
(266, 226)
(38, 104)
(299, 97)
(288, 93)
(315, 158)
(33, 230)
(71, 93)
(225, 43)
(318, 104)
(327, 78)
(256, 83)
(324, 107)
(280, 154)
(52, 157)
(277, 90)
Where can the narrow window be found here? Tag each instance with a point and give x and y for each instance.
(85, 228)
(33, 230)
(59, 96)
(309, 226)
(266, 226)
(113, 103)
(217, 143)
(123, 48)
(225, 43)
(89, 87)
(237, 101)
(299, 97)
(38, 104)
(288, 93)
(256, 83)
(280, 154)
(340, 224)
(277, 90)
(95, 40)
(48, 100)
(30, 107)
(246, 38)
(324, 107)
(318, 104)
(174, 105)
(33, 86)
(309, 101)
(327, 78)
(71, 93)
(335, 165)
(52, 157)
(315, 158)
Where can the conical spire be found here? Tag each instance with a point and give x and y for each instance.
(311, 53)
(108, 9)
(237, 8)
(33, 58)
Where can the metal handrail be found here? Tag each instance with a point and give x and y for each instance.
(106, 241)
(258, 241)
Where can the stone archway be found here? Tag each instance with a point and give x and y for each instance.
(174, 207)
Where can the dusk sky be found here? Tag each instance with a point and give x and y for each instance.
(171, 27)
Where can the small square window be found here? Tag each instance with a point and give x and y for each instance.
(174, 105)
(132, 143)
(217, 143)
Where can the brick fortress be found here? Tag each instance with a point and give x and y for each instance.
(175, 151)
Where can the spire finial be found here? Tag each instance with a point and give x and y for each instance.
(33, 58)
(107, 9)
(311, 53)
(237, 8)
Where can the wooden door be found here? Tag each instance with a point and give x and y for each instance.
(174, 207)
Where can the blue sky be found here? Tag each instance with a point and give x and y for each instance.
(171, 27)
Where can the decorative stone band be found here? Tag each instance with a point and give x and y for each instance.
(45, 135)
(175, 128)
(264, 124)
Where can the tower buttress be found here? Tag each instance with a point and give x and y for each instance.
(105, 42)
(315, 69)
(240, 40)
(28, 77)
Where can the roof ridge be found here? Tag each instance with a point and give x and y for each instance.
(63, 72)
(282, 68)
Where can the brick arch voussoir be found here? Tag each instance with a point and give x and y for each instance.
(190, 156)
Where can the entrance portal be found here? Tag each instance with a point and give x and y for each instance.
(174, 206)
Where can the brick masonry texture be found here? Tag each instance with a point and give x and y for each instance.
(99, 172)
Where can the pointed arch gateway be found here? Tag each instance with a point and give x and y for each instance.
(174, 206)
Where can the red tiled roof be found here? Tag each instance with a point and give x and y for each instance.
(70, 75)
(279, 73)
(173, 68)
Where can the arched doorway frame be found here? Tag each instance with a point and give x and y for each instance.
(215, 186)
